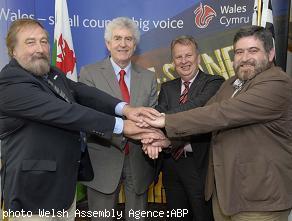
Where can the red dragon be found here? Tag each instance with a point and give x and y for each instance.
(66, 56)
(204, 15)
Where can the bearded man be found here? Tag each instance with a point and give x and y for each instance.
(42, 114)
(250, 117)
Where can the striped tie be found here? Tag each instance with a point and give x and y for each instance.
(177, 152)
(184, 96)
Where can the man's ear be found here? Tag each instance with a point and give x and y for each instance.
(272, 55)
(199, 59)
(107, 45)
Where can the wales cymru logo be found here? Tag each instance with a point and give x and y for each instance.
(66, 59)
(203, 15)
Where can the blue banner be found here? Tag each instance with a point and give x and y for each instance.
(212, 22)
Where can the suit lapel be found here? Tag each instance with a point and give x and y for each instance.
(193, 89)
(110, 77)
(59, 83)
(175, 94)
(195, 84)
(136, 84)
(45, 85)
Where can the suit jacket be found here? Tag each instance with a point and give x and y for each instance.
(108, 160)
(40, 136)
(251, 143)
(202, 89)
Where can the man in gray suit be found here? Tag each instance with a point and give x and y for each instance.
(128, 165)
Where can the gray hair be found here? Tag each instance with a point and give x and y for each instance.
(122, 22)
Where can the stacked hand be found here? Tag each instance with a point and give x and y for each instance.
(137, 114)
(142, 125)
(153, 146)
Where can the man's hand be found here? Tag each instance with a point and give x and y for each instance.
(137, 113)
(152, 147)
(151, 151)
(158, 122)
(161, 143)
(132, 131)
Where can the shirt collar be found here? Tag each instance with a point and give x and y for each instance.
(117, 68)
(192, 80)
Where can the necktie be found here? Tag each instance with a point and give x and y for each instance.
(177, 152)
(58, 91)
(123, 87)
(126, 97)
(184, 96)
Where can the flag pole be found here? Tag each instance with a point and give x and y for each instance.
(259, 12)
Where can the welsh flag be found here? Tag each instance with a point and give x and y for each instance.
(63, 55)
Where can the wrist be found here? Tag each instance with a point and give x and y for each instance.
(125, 109)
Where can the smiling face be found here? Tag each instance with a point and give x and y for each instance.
(250, 57)
(121, 46)
(186, 60)
(32, 49)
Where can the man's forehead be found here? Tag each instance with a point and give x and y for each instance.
(31, 31)
(122, 32)
(249, 42)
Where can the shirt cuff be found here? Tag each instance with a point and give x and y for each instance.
(119, 126)
(119, 108)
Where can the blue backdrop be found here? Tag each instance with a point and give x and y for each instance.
(159, 22)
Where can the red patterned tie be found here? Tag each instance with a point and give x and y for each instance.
(126, 97)
(184, 96)
(177, 152)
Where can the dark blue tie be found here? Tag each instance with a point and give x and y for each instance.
(83, 138)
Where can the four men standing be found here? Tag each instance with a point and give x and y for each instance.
(249, 176)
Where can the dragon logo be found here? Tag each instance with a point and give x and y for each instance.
(204, 15)
(67, 58)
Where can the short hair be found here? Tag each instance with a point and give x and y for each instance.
(14, 28)
(258, 32)
(122, 22)
(184, 40)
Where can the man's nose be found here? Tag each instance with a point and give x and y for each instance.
(245, 55)
(123, 42)
(39, 47)
(183, 59)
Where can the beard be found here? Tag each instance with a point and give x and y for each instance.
(37, 64)
(255, 67)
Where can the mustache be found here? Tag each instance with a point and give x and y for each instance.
(248, 62)
(40, 56)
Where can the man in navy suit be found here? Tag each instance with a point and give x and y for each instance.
(184, 173)
(41, 116)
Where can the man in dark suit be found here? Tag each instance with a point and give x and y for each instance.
(112, 167)
(184, 168)
(41, 116)
(249, 173)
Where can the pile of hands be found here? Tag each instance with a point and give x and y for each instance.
(145, 123)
